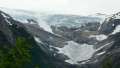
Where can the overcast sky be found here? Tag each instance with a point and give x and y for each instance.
(82, 7)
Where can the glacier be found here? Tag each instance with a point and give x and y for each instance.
(77, 52)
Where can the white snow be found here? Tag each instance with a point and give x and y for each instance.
(4, 15)
(44, 25)
(104, 46)
(101, 53)
(23, 17)
(116, 16)
(6, 18)
(19, 15)
(99, 37)
(8, 22)
(113, 24)
(77, 52)
(38, 40)
(117, 29)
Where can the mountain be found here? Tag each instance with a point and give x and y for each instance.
(107, 55)
(62, 41)
(11, 31)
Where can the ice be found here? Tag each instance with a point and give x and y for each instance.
(77, 52)
(99, 37)
(117, 29)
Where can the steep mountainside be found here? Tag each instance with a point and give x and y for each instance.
(62, 41)
(13, 32)
(107, 54)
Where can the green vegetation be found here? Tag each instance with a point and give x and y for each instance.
(37, 66)
(17, 56)
(107, 62)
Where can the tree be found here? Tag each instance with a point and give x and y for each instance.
(16, 57)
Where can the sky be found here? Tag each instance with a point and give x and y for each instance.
(77, 7)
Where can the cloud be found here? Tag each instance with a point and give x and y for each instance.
(64, 6)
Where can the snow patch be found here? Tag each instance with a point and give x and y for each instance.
(5, 15)
(44, 25)
(117, 29)
(116, 16)
(8, 22)
(104, 46)
(101, 53)
(38, 40)
(77, 52)
(99, 37)
(6, 18)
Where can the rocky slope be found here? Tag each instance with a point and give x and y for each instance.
(107, 54)
(64, 41)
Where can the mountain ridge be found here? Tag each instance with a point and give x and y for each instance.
(66, 47)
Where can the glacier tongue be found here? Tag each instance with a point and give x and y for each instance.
(77, 52)
(43, 24)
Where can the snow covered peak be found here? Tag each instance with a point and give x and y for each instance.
(28, 17)
(19, 15)
(6, 17)
(116, 16)
(113, 16)
(110, 24)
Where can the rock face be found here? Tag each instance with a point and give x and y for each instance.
(4, 28)
(70, 44)
(107, 55)
(10, 29)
